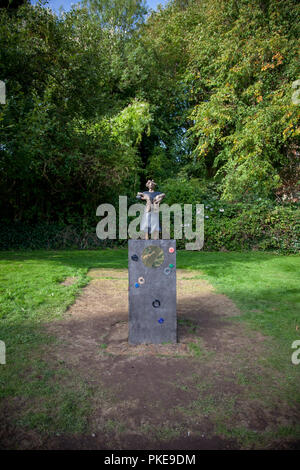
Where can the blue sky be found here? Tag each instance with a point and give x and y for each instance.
(66, 4)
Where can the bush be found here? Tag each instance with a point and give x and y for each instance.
(240, 226)
(51, 236)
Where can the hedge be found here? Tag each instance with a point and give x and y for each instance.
(228, 227)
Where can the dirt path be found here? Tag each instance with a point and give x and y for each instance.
(185, 396)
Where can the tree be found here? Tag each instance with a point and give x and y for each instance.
(122, 16)
(240, 66)
(69, 134)
(12, 4)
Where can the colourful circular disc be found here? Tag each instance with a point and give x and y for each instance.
(136, 284)
(161, 320)
(171, 250)
(171, 265)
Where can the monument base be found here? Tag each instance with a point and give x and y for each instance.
(152, 291)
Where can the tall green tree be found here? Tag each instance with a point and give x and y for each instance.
(235, 67)
(120, 16)
(242, 63)
(69, 135)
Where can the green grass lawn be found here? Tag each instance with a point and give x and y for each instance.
(265, 286)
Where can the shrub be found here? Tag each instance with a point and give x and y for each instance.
(240, 226)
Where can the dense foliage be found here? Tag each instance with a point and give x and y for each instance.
(200, 95)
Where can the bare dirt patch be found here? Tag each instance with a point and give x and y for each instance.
(100, 315)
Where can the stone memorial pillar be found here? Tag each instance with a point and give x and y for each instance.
(152, 291)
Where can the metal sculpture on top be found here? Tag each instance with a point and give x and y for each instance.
(150, 221)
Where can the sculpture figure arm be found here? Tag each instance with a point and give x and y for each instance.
(145, 197)
(157, 200)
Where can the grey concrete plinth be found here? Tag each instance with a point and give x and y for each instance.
(152, 292)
